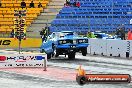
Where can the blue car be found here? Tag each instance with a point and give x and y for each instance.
(64, 43)
(101, 35)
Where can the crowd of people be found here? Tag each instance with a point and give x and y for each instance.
(23, 4)
(31, 5)
(74, 4)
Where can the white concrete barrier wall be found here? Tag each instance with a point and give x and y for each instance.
(98, 46)
(23, 60)
(110, 47)
(130, 48)
(116, 48)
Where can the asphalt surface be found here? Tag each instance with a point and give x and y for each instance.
(14, 80)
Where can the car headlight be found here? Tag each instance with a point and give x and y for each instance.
(62, 42)
(83, 41)
(74, 42)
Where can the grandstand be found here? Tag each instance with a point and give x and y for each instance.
(93, 15)
(7, 13)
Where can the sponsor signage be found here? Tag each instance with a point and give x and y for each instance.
(22, 60)
(12, 43)
(5, 42)
(83, 78)
(103, 78)
(110, 78)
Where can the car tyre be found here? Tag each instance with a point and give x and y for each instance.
(49, 56)
(42, 51)
(71, 55)
(84, 51)
(56, 52)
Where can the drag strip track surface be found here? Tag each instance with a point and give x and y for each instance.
(87, 64)
(12, 80)
(92, 64)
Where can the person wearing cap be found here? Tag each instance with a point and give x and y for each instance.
(90, 35)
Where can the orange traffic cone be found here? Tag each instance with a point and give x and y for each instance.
(81, 72)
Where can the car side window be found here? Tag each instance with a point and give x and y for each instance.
(53, 36)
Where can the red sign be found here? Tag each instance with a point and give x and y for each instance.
(2, 58)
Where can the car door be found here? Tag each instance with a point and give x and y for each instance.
(48, 45)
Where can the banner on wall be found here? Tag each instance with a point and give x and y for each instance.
(22, 60)
(14, 43)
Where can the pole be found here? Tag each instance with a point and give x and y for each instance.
(45, 65)
(89, 23)
(112, 15)
(19, 46)
(19, 43)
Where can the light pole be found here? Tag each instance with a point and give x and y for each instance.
(112, 14)
(89, 24)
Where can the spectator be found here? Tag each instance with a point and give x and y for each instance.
(47, 29)
(67, 3)
(90, 35)
(12, 33)
(78, 4)
(0, 4)
(43, 34)
(74, 4)
(23, 4)
(129, 35)
(120, 33)
(40, 5)
(123, 33)
(31, 4)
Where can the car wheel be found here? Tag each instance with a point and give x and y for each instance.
(84, 51)
(56, 52)
(81, 80)
(71, 55)
(42, 51)
(49, 56)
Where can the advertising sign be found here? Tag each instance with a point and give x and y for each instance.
(22, 60)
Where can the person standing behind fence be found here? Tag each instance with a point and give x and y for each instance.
(129, 35)
(47, 29)
(43, 34)
(120, 34)
(90, 35)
